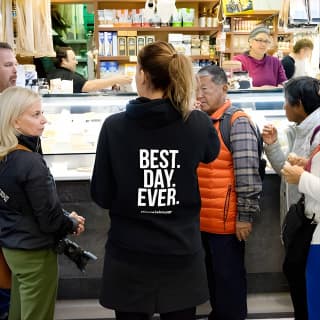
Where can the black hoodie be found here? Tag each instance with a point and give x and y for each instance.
(145, 173)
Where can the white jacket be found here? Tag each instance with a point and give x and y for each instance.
(299, 143)
(309, 184)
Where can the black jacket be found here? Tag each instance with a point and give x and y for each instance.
(145, 173)
(31, 216)
(289, 67)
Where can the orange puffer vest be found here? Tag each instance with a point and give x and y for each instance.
(217, 188)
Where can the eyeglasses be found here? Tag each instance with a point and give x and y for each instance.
(262, 41)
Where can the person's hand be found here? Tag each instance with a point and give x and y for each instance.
(122, 79)
(243, 230)
(293, 159)
(291, 173)
(269, 134)
(81, 221)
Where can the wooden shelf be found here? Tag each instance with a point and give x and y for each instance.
(133, 1)
(261, 13)
(78, 41)
(158, 29)
(160, 33)
(134, 58)
(72, 1)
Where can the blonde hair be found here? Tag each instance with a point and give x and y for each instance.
(13, 102)
(171, 72)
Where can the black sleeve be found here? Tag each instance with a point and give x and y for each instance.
(43, 198)
(288, 66)
(78, 83)
(102, 181)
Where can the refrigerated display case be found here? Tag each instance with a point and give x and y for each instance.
(69, 144)
(265, 107)
(71, 134)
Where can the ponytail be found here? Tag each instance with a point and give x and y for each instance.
(181, 89)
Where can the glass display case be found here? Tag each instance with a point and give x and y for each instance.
(70, 138)
(74, 121)
(265, 107)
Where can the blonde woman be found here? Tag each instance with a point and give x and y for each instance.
(31, 217)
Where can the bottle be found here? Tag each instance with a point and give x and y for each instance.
(215, 20)
(35, 85)
(209, 22)
(212, 48)
(43, 86)
(203, 18)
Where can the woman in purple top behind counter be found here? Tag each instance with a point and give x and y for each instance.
(266, 71)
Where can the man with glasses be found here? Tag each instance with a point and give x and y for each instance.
(266, 71)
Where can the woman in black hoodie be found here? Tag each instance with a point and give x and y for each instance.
(31, 217)
(145, 174)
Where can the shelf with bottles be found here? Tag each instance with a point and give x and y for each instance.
(118, 19)
(159, 29)
(123, 46)
(112, 13)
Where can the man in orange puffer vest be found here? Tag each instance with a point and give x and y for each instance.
(230, 188)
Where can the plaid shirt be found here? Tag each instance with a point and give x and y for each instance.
(245, 155)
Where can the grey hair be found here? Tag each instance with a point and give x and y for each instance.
(217, 74)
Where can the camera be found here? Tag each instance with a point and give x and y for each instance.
(75, 253)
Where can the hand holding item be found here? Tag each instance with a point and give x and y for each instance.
(293, 159)
(243, 230)
(81, 220)
(292, 173)
(269, 134)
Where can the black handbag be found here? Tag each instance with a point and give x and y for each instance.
(293, 222)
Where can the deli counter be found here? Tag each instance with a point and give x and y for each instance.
(69, 144)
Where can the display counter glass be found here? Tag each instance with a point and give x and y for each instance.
(70, 138)
(74, 122)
